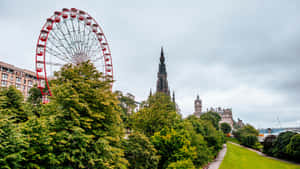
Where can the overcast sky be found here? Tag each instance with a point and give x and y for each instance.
(235, 54)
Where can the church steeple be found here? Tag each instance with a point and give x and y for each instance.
(162, 82)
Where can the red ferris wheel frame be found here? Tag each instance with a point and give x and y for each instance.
(40, 57)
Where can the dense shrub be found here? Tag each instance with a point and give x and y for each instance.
(213, 117)
(157, 113)
(226, 128)
(140, 152)
(280, 144)
(268, 144)
(182, 164)
(247, 135)
(172, 146)
(293, 148)
(249, 140)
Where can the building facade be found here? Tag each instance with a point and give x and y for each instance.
(225, 114)
(22, 79)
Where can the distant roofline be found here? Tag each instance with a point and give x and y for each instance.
(10, 66)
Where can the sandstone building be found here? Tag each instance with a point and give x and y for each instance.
(22, 79)
(226, 114)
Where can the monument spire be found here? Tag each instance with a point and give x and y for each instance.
(162, 82)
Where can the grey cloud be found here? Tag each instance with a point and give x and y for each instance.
(213, 48)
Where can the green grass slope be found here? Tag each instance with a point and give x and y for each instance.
(241, 158)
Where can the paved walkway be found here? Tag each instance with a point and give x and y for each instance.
(217, 162)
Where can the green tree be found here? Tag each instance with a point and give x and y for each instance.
(80, 127)
(226, 128)
(173, 146)
(11, 104)
(12, 144)
(140, 152)
(293, 148)
(280, 145)
(35, 96)
(127, 104)
(182, 164)
(158, 112)
(247, 135)
(87, 124)
(213, 117)
(198, 139)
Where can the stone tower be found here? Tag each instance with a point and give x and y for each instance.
(162, 82)
(198, 107)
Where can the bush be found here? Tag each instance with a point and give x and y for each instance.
(173, 146)
(247, 135)
(249, 140)
(268, 144)
(213, 117)
(183, 164)
(226, 128)
(280, 144)
(140, 152)
(293, 148)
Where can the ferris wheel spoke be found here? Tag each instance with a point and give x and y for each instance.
(83, 37)
(74, 35)
(54, 64)
(64, 36)
(97, 59)
(93, 52)
(92, 44)
(54, 36)
(87, 42)
(58, 51)
(68, 30)
(57, 55)
(79, 38)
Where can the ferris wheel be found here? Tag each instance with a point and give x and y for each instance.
(70, 36)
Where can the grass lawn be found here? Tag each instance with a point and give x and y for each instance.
(232, 139)
(240, 158)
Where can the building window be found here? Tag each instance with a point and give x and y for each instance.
(29, 82)
(4, 76)
(18, 86)
(28, 89)
(3, 83)
(24, 81)
(11, 77)
(18, 79)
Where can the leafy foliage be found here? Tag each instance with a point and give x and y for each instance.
(213, 117)
(182, 164)
(158, 112)
(127, 104)
(172, 146)
(247, 135)
(35, 96)
(80, 128)
(293, 148)
(140, 152)
(226, 128)
(11, 104)
(281, 143)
